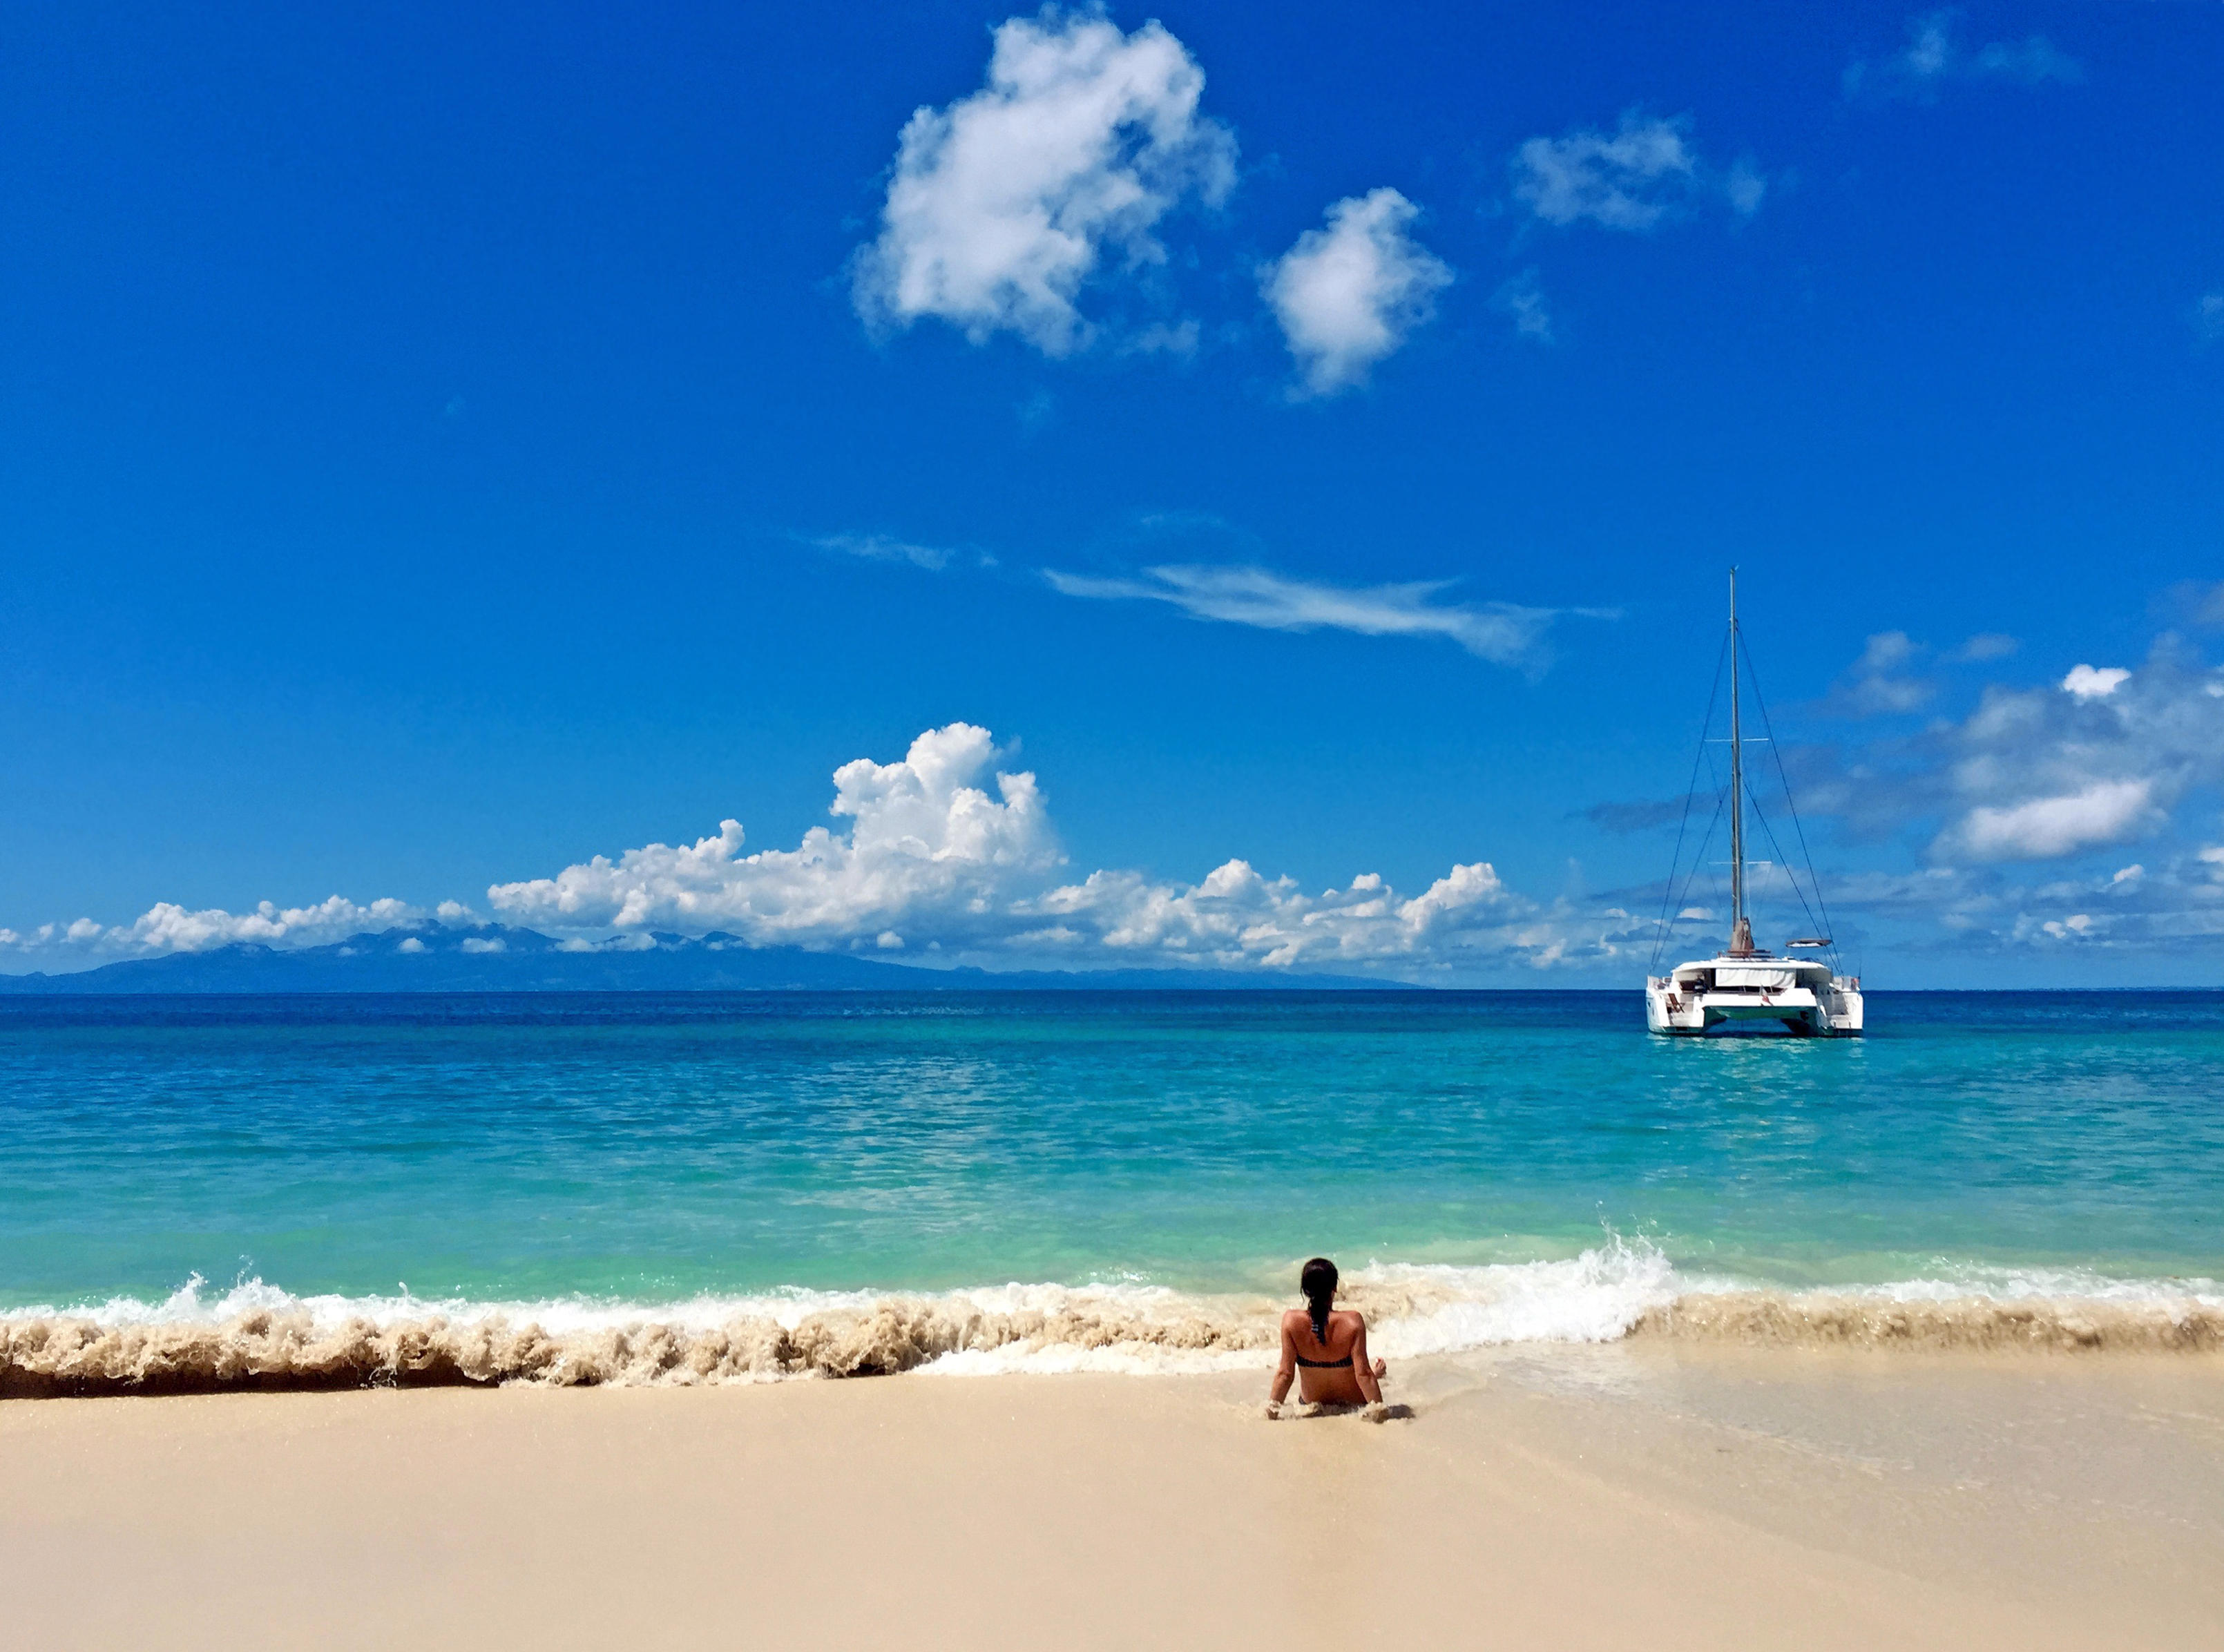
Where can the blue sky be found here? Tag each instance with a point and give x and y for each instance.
(440, 448)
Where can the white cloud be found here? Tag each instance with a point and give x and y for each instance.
(167, 927)
(1004, 204)
(933, 862)
(2040, 829)
(2100, 758)
(1634, 177)
(2046, 777)
(1499, 632)
(924, 839)
(1933, 56)
(1235, 916)
(1961, 911)
(2088, 683)
(1347, 296)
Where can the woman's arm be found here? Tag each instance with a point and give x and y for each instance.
(1286, 1373)
(1362, 1366)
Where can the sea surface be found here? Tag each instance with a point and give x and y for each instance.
(701, 1187)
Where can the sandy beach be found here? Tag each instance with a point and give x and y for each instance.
(1567, 1496)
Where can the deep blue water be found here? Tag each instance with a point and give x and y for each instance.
(655, 1148)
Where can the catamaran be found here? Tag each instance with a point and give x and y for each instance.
(1743, 988)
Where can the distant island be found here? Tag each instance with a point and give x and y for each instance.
(497, 958)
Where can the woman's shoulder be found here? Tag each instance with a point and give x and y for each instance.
(1351, 1316)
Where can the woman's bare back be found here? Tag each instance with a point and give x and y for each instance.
(1329, 1369)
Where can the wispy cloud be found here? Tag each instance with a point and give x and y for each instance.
(1634, 178)
(1502, 633)
(2209, 318)
(1985, 646)
(1645, 814)
(1882, 682)
(1350, 295)
(1933, 56)
(2192, 601)
(881, 547)
(1887, 680)
(1522, 299)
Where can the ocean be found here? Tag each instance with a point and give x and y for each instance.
(574, 1187)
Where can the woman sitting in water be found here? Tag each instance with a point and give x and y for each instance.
(1326, 1351)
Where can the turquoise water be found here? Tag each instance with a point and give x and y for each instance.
(653, 1150)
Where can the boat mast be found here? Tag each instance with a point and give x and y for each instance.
(1740, 930)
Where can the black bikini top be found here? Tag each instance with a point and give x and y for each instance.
(1320, 1335)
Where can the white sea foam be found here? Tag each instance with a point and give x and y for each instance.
(254, 1335)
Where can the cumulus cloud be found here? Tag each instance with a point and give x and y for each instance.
(1235, 916)
(1004, 205)
(2093, 682)
(1934, 56)
(1500, 631)
(925, 837)
(1634, 177)
(2102, 756)
(2099, 759)
(167, 927)
(2042, 828)
(2171, 905)
(1347, 295)
(946, 849)
(2022, 812)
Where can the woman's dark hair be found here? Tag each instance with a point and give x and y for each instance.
(1318, 1281)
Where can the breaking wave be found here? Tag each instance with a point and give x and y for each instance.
(255, 1336)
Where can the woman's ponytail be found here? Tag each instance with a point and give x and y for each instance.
(1318, 1281)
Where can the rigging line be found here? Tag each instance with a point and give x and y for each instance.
(1779, 848)
(1777, 750)
(1698, 864)
(1678, 900)
(1660, 934)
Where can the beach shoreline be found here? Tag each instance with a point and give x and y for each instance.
(1665, 1495)
(253, 1338)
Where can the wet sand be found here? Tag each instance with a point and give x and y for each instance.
(1622, 1496)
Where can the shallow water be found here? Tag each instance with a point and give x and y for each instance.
(684, 1156)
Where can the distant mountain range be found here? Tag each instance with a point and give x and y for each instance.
(494, 958)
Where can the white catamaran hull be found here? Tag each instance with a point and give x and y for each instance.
(1695, 1000)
